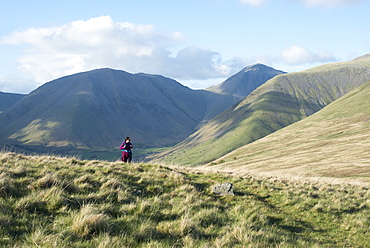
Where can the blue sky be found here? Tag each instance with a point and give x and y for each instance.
(199, 43)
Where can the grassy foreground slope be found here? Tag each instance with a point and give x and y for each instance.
(279, 102)
(48, 201)
(333, 142)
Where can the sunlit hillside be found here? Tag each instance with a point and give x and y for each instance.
(334, 142)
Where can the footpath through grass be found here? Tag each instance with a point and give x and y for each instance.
(48, 201)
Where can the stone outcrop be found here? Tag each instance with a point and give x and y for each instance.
(224, 189)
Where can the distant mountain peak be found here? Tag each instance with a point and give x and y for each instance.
(245, 81)
(257, 66)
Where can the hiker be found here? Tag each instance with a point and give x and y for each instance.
(126, 150)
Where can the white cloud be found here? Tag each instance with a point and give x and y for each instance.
(296, 55)
(328, 3)
(100, 42)
(198, 63)
(15, 83)
(255, 3)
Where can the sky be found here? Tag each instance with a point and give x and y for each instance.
(199, 43)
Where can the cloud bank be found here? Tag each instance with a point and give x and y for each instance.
(50, 53)
(101, 42)
(296, 55)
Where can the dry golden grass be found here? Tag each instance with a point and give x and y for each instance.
(305, 153)
(89, 221)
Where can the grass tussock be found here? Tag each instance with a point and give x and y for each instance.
(63, 202)
(88, 221)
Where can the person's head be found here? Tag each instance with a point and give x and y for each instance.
(127, 139)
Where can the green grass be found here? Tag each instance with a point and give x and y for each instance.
(49, 201)
(84, 154)
(113, 155)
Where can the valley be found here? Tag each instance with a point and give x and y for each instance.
(280, 102)
(296, 151)
(313, 123)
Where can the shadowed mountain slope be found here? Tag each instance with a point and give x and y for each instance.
(97, 109)
(8, 99)
(281, 101)
(333, 142)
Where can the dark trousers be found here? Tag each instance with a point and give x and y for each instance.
(126, 157)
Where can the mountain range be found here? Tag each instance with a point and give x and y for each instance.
(8, 99)
(256, 112)
(97, 109)
(280, 102)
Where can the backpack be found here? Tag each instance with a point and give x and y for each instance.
(125, 146)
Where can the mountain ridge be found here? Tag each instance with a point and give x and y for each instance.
(98, 108)
(251, 75)
(238, 86)
(279, 102)
(85, 101)
(8, 99)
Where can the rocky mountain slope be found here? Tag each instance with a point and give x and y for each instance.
(283, 100)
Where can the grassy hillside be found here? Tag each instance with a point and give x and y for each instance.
(48, 201)
(65, 202)
(335, 141)
(283, 100)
